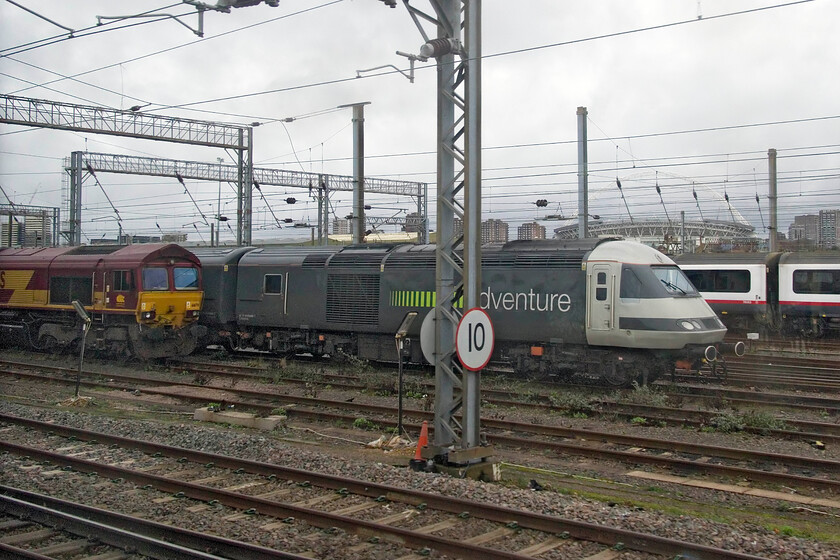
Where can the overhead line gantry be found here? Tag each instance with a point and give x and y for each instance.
(206, 171)
(104, 120)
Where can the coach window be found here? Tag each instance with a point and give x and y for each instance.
(155, 279)
(816, 281)
(186, 278)
(273, 284)
(601, 289)
(122, 281)
(735, 281)
(703, 280)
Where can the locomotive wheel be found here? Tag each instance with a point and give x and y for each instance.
(49, 344)
(616, 375)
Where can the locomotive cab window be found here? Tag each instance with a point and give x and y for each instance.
(122, 281)
(185, 278)
(631, 286)
(816, 281)
(155, 279)
(675, 282)
(273, 284)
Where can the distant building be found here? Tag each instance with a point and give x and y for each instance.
(815, 230)
(804, 228)
(458, 227)
(167, 238)
(414, 222)
(494, 230)
(829, 228)
(491, 230)
(341, 226)
(126, 239)
(25, 227)
(531, 230)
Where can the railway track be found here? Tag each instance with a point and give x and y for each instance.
(273, 497)
(702, 394)
(772, 371)
(688, 388)
(676, 456)
(74, 530)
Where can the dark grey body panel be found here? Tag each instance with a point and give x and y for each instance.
(219, 272)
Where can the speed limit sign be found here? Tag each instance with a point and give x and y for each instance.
(474, 339)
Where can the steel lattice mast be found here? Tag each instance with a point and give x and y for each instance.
(458, 280)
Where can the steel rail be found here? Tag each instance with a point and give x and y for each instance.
(100, 528)
(69, 514)
(316, 518)
(549, 524)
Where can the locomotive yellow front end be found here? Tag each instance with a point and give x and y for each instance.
(168, 307)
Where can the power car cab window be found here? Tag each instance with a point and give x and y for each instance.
(186, 278)
(155, 279)
(631, 286)
(675, 282)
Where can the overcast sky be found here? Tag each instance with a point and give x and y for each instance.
(686, 94)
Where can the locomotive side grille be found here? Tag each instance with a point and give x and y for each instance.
(316, 260)
(551, 260)
(411, 260)
(497, 259)
(520, 260)
(353, 298)
(353, 259)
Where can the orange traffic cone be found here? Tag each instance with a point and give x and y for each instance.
(417, 464)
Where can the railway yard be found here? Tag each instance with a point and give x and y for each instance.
(740, 463)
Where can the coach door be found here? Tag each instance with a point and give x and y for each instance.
(600, 283)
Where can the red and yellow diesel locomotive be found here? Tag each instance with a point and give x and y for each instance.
(143, 300)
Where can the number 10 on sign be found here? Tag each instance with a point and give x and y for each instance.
(474, 339)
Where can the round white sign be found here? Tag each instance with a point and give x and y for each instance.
(474, 339)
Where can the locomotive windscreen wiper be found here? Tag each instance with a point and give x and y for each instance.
(673, 286)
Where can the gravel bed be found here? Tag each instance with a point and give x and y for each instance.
(746, 537)
(305, 449)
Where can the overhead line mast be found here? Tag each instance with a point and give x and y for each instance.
(458, 279)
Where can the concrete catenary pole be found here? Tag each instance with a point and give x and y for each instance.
(358, 170)
(583, 175)
(774, 239)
